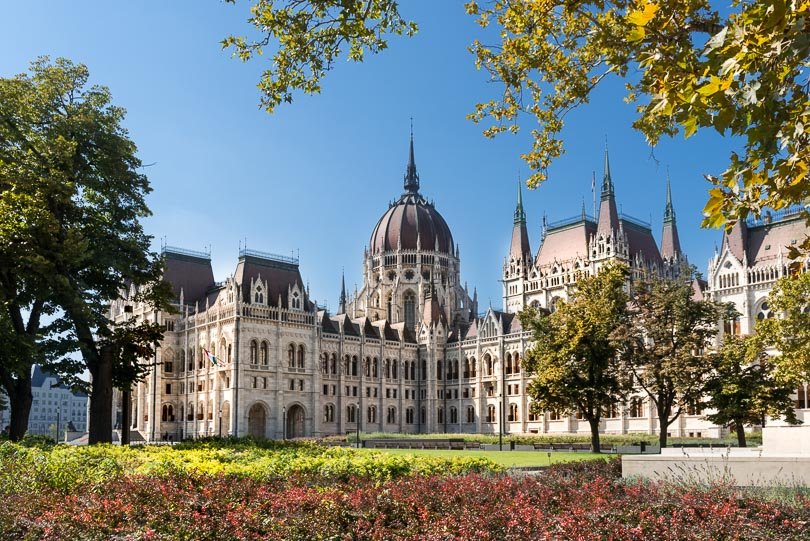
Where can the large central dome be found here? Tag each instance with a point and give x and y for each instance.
(412, 222)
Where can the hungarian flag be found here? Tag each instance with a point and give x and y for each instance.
(211, 357)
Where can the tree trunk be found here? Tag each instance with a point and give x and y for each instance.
(595, 447)
(663, 426)
(101, 390)
(20, 400)
(740, 434)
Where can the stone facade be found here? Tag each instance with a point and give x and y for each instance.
(408, 352)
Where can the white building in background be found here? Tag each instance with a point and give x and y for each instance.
(752, 257)
(408, 352)
(54, 404)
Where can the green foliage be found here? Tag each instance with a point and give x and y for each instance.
(687, 68)
(789, 334)
(743, 389)
(309, 36)
(661, 341)
(65, 468)
(573, 361)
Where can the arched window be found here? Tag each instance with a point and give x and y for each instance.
(375, 367)
(409, 416)
(407, 370)
(367, 367)
(636, 408)
(254, 352)
(388, 307)
(181, 365)
(453, 415)
(168, 367)
(263, 354)
(391, 415)
(440, 415)
(200, 411)
(410, 309)
(324, 363)
(513, 413)
(351, 413)
(413, 369)
(490, 414)
(346, 365)
(423, 375)
(394, 371)
(190, 416)
(423, 415)
(329, 413)
(333, 364)
(301, 356)
(354, 365)
(167, 414)
(439, 370)
(516, 363)
(371, 414)
(387, 368)
(508, 363)
(190, 360)
(291, 355)
(470, 414)
(210, 410)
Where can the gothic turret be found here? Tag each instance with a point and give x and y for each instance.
(608, 215)
(670, 242)
(520, 250)
(342, 302)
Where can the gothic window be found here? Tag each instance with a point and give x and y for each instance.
(329, 413)
(423, 415)
(764, 311)
(409, 416)
(440, 415)
(351, 413)
(291, 356)
(407, 374)
(300, 356)
(516, 364)
(391, 415)
(375, 368)
(346, 365)
(410, 310)
(473, 367)
(258, 296)
(367, 367)
(388, 307)
(453, 415)
(513, 413)
(354, 365)
(394, 371)
(254, 352)
(333, 364)
(167, 414)
(490, 414)
(636, 408)
(182, 364)
(508, 364)
(263, 354)
(190, 416)
(470, 414)
(324, 363)
(371, 414)
(439, 370)
(190, 360)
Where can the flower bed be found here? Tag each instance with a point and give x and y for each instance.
(574, 501)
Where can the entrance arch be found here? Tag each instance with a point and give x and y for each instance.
(295, 421)
(257, 421)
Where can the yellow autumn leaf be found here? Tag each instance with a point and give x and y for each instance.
(642, 17)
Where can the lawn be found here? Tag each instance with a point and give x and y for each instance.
(508, 459)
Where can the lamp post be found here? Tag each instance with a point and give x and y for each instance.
(58, 422)
(284, 423)
(220, 421)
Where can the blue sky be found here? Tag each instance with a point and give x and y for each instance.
(314, 178)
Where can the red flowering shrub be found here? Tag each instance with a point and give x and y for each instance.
(566, 502)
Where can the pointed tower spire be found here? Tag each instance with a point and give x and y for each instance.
(520, 250)
(411, 176)
(608, 215)
(670, 241)
(342, 301)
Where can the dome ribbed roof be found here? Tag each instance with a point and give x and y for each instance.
(410, 223)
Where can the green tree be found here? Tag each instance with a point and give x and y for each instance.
(573, 361)
(743, 73)
(72, 197)
(743, 389)
(661, 345)
(789, 333)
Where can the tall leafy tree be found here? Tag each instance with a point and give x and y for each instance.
(72, 198)
(573, 361)
(687, 66)
(744, 390)
(789, 333)
(661, 344)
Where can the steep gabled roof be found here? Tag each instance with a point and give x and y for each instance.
(280, 274)
(188, 271)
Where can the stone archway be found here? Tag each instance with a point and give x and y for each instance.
(295, 421)
(257, 421)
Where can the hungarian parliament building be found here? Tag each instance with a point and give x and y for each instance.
(410, 352)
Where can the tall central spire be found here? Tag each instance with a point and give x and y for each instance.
(411, 176)
(607, 180)
(669, 212)
(608, 215)
(342, 301)
(519, 250)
